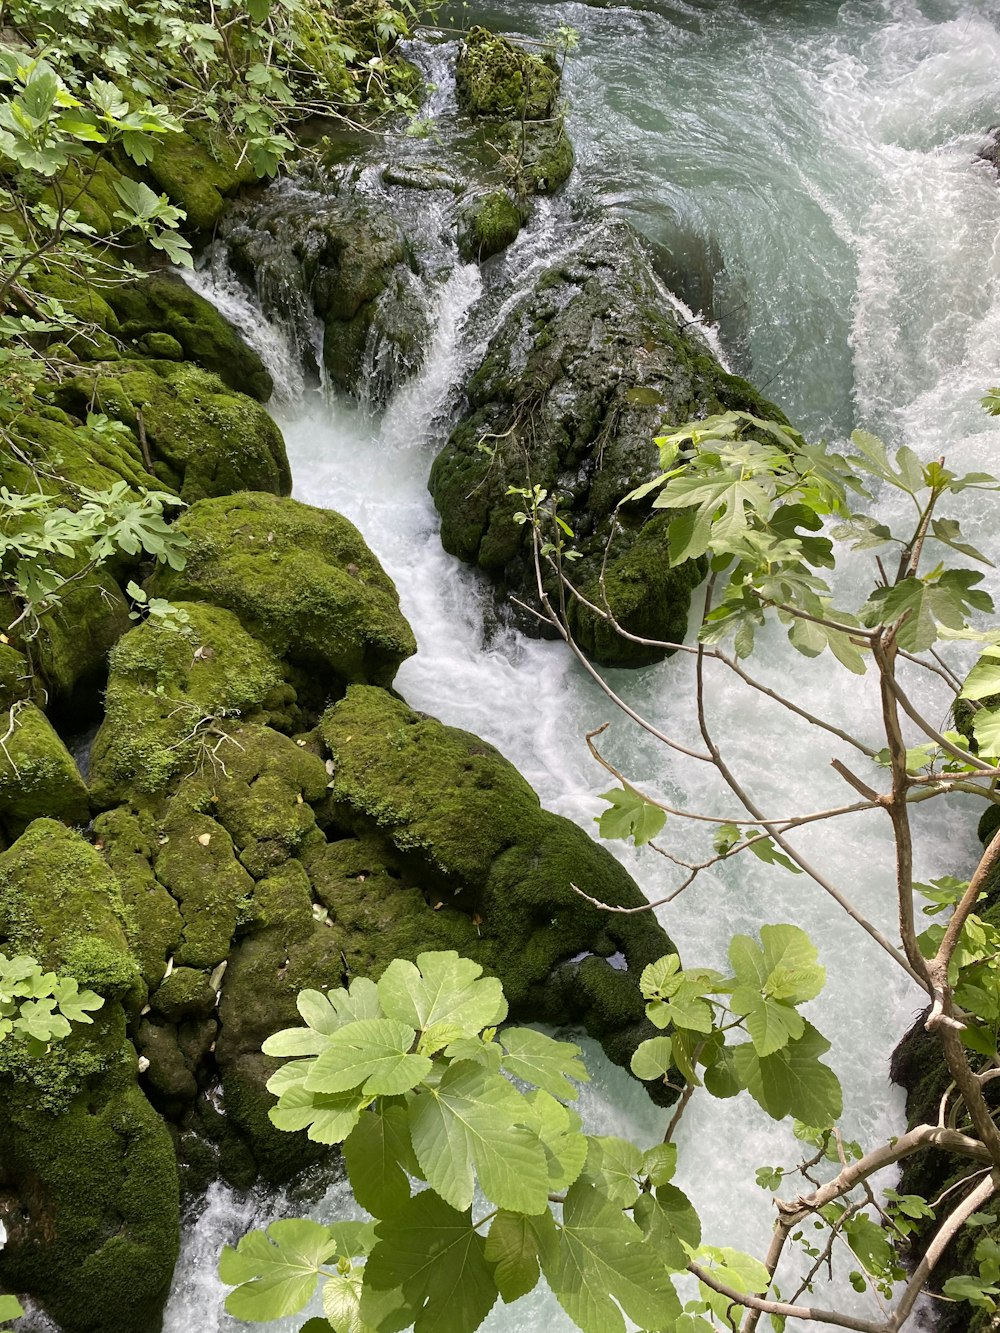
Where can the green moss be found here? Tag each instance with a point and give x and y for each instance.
(60, 903)
(163, 346)
(646, 596)
(197, 172)
(169, 695)
(163, 304)
(203, 438)
(489, 226)
(81, 299)
(457, 821)
(37, 774)
(494, 77)
(545, 154)
(196, 861)
(151, 917)
(16, 679)
(96, 1236)
(186, 993)
(301, 580)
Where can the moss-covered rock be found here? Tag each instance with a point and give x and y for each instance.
(585, 371)
(488, 225)
(163, 305)
(544, 155)
(17, 681)
(88, 1181)
(198, 171)
(37, 774)
(186, 993)
(459, 822)
(494, 77)
(170, 693)
(301, 580)
(201, 436)
(152, 917)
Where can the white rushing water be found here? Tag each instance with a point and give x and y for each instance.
(825, 155)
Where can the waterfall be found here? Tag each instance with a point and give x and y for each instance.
(814, 167)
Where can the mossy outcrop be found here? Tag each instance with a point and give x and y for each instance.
(465, 826)
(37, 773)
(88, 1178)
(163, 305)
(201, 437)
(496, 78)
(199, 171)
(301, 580)
(169, 693)
(587, 368)
(489, 224)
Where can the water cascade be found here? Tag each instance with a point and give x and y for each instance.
(812, 170)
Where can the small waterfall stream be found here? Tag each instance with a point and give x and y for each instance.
(814, 167)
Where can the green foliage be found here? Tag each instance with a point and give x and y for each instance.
(630, 816)
(38, 534)
(38, 1008)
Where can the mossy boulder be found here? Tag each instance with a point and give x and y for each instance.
(186, 993)
(494, 77)
(163, 305)
(37, 773)
(17, 680)
(462, 824)
(301, 580)
(488, 225)
(544, 155)
(588, 367)
(203, 438)
(170, 693)
(88, 1180)
(198, 171)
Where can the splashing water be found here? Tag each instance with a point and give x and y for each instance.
(812, 169)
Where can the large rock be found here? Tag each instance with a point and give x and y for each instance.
(301, 580)
(201, 437)
(88, 1179)
(344, 259)
(162, 303)
(169, 695)
(37, 773)
(584, 372)
(496, 78)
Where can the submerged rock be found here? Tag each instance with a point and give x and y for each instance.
(585, 371)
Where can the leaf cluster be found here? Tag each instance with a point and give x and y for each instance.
(38, 1008)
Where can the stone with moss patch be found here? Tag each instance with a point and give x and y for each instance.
(494, 77)
(585, 371)
(301, 580)
(488, 225)
(461, 823)
(198, 171)
(170, 693)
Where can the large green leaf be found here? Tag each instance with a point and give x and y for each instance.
(375, 1054)
(10, 1308)
(274, 1272)
(428, 1270)
(792, 1081)
(771, 1023)
(984, 678)
(558, 1128)
(342, 1302)
(445, 989)
(613, 1167)
(599, 1267)
(948, 599)
(475, 1121)
(630, 816)
(328, 1117)
(668, 1219)
(378, 1156)
(740, 1271)
(513, 1245)
(547, 1063)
